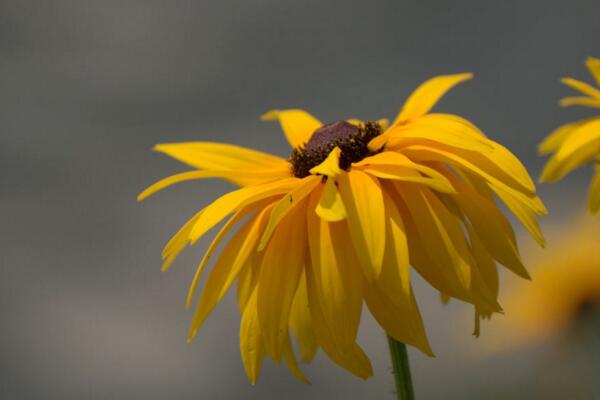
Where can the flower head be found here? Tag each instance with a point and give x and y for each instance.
(341, 222)
(577, 143)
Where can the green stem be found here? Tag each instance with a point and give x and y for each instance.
(404, 387)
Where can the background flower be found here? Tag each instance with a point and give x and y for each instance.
(577, 143)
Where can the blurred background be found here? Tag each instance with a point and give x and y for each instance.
(88, 87)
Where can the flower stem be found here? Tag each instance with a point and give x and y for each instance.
(404, 387)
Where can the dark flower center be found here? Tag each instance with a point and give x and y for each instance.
(351, 139)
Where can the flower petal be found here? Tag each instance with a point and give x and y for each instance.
(330, 166)
(286, 205)
(337, 279)
(234, 256)
(555, 139)
(280, 272)
(232, 201)
(400, 317)
(290, 361)
(593, 65)
(251, 341)
(331, 207)
(301, 323)
(425, 96)
(222, 157)
(580, 101)
(582, 87)
(363, 201)
(297, 125)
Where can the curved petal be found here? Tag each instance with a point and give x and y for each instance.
(582, 87)
(580, 101)
(425, 96)
(280, 272)
(363, 200)
(554, 140)
(593, 65)
(330, 166)
(297, 125)
(301, 324)
(252, 348)
(331, 207)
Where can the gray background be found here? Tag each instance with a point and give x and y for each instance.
(88, 87)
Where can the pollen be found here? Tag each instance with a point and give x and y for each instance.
(352, 140)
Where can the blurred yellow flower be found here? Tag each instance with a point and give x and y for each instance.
(566, 282)
(340, 222)
(577, 143)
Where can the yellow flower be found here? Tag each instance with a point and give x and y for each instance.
(577, 143)
(341, 222)
(566, 283)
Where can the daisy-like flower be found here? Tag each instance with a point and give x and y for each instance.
(577, 143)
(339, 223)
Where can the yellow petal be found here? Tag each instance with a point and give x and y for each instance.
(363, 201)
(442, 232)
(579, 148)
(493, 229)
(446, 129)
(383, 122)
(297, 125)
(396, 166)
(594, 195)
(251, 342)
(337, 279)
(555, 139)
(178, 242)
(400, 317)
(350, 357)
(580, 101)
(287, 204)
(301, 323)
(582, 87)
(222, 157)
(394, 278)
(235, 200)
(331, 166)
(290, 361)
(237, 217)
(234, 256)
(593, 65)
(280, 273)
(331, 207)
(425, 96)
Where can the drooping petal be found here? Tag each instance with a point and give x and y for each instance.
(593, 65)
(297, 125)
(492, 227)
(234, 256)
(232, 201)
(286, 205)
(178, 242)
(237, 217)
(337, 277)
(425, 96)
(280, 272)
(301, 323)
(350, 357)
(441, 232)
(363, 201)
(290, 361)
(594, 192)
(251, 341)
(399, 316)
